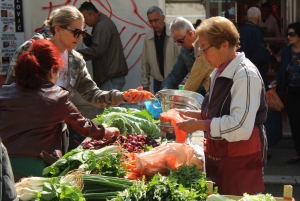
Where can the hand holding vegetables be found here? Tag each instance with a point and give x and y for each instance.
(110, 133)
(136, 95)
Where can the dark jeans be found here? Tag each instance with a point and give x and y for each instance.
(293, 112)
(156, 85)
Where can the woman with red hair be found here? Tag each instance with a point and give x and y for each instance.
(33, 108)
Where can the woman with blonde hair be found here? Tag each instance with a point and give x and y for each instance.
(65, 26)
(231, 116)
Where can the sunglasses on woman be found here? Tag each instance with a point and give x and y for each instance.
(76, 32)
(291, 34)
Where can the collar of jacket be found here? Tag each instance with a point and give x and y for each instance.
(100, 16)
(251, 23)
(150, 34)
(229, 72)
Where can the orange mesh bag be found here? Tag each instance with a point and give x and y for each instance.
(172, 116)
(160, 159)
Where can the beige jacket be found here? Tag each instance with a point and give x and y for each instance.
(200, 73)
(150, 61)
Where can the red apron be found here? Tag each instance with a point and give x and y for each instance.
(236, 166)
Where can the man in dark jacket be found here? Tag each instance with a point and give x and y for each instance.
(8, 190)
(104, 48)
(252, 42)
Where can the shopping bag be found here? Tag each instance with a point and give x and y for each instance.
(163, 158)
(274, 102)
(154, 107)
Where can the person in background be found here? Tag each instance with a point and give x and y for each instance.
(267, 20)
(159, 51)
(183, 33)
(65, 25)
(287, 80)
(8, 189)
(198, 22)
(200, 72)
(232, 113)
(38, 107)
(252, 43)
(104, 48)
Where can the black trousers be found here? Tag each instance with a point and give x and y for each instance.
(293, 112)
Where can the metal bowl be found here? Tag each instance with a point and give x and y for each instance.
(181, 99)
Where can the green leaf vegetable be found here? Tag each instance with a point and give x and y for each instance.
(139, 125)
(89, 160)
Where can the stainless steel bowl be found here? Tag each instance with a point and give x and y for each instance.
(181, 99)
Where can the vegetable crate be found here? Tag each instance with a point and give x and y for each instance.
(287, 193)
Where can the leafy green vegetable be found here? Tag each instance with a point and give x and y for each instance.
(190, 177)
(110, 165)
(80, 158)
(139, 125)
(259, 197)
(58, 190)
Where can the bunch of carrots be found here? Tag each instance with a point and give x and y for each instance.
(130, 166)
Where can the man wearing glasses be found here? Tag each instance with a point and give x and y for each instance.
(159, 52)
(104, 48)
(183, 33)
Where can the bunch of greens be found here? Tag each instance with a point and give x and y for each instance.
(57, 189)
(184, 184)
(129, 120)
(110, 165)
(160, 188)
(259, 197)
(190, 177)
(89, 160)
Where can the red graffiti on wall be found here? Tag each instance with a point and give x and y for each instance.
(107, 9)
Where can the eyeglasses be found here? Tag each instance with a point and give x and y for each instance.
(154, 21)
(204, 50)
(76, 32)
(180, 40)
(291, 34)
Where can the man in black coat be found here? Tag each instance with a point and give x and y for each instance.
(252, 42)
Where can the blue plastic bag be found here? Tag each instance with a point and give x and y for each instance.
(154, 107)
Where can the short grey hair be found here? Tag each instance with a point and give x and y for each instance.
(253, 13)
(181, 24)
(153, 9)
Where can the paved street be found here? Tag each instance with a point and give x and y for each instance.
(278, 172)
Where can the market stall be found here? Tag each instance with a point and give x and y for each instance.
(140, 164)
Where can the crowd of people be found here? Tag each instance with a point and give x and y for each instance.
(214, 58)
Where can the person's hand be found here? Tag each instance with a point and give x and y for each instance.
(189, 125)
(111, 134)
(136, 95)
(196, 114)
(273, 84)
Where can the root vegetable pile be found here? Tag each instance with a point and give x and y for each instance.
(136, 143)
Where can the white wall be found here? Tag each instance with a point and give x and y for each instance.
(129, 15)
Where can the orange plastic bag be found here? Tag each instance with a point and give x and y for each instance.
(160, 159)
(172, 116)
(274, 102)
